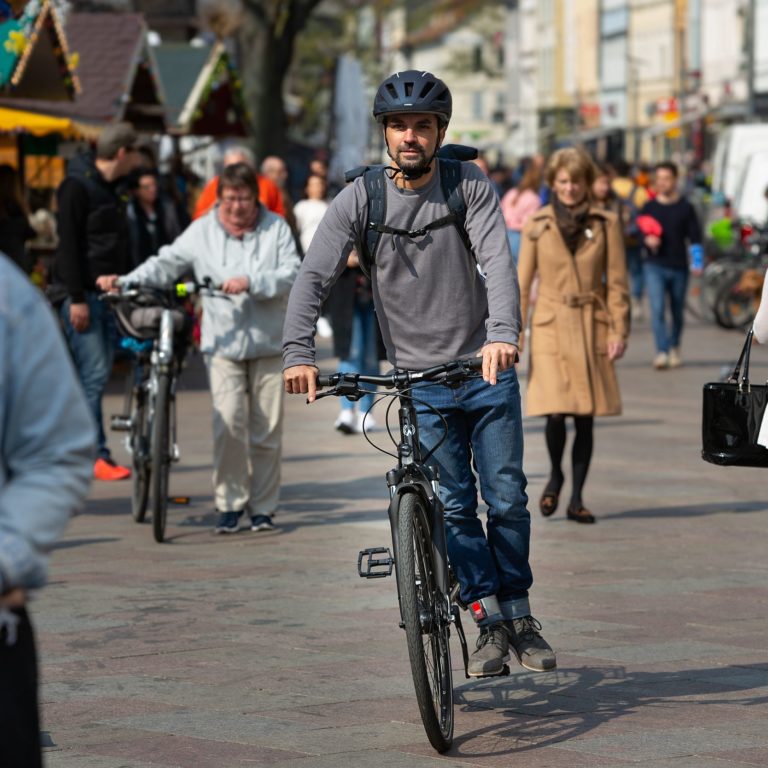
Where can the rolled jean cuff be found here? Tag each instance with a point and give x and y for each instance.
(515, 608)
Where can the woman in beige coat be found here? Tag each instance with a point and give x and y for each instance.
(580, 322)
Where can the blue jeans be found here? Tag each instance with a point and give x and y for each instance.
(635, 268)
(662, 282)
(363, 350)
(485, 432)
(92, 354)
(513, 237)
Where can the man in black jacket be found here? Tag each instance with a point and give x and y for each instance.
(94, 241)
(667, 263)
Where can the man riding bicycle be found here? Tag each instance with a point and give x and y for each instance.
(438, 299)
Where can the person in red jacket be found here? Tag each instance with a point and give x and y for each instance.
(269, 192)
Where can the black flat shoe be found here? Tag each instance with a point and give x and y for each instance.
(580, 515)
(548, 503)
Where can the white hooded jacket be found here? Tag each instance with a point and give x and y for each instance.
(238, 327)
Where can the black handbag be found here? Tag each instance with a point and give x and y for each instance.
(732, 415)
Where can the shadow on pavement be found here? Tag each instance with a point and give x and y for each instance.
(545, 710)
(691, 510)
(72, 543)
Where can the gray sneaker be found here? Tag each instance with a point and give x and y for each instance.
(491, 652)
(532, 650)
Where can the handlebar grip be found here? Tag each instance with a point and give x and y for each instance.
(327, 380)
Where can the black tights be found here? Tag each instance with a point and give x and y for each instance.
(581, 454)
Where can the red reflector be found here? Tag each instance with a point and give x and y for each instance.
(477, 610)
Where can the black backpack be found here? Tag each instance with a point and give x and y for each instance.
(450, 158)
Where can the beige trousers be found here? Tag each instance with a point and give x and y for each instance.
(247, 433)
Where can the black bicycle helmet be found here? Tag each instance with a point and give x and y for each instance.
(412, 91)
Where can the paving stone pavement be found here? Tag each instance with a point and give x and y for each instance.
(268, 650)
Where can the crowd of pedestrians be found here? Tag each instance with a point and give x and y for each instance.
(570, 250)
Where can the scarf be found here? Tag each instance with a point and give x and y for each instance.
(236, 231)
(571, 221)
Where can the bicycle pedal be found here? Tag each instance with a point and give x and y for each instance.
(371, 566)
(120, 423)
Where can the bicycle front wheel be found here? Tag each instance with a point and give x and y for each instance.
(140, 453)
(423, 609)
(161, 456)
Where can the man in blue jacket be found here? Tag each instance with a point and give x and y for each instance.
(46, 456)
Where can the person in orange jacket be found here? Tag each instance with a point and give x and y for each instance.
(269, 192)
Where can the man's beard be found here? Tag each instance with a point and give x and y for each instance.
(421, 163)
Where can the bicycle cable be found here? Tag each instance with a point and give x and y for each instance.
(393, 396)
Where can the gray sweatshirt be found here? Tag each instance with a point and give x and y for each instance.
(47, 434)
(245, 326)
(432, 303)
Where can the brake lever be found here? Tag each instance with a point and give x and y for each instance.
(321, 395)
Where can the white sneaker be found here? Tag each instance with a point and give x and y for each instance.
(370, 423)
(675, 361)
(324, 330)
(661, 361)
(346, 422)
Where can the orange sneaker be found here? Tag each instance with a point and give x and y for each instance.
(106, 469)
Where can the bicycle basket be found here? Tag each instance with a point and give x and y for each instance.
(143, 322)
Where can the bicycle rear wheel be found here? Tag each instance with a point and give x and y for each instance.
(140, 454)
(161, 456)
(427, 629)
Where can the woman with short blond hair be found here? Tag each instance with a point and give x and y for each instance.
(580, 323)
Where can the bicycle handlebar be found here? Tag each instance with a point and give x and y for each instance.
(132, 290)
(456, 370)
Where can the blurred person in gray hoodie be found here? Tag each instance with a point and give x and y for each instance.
(47, 447)
(250, 252)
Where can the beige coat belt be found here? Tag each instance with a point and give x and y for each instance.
(577, 300)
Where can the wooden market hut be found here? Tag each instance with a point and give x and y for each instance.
(117, 72)
(203, 92)
(35, 58)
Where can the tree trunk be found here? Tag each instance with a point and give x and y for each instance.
(266, 41)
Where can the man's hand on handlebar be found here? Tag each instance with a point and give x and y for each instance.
(236, 285)
(301, 380)
(497, 357)
(107, 283)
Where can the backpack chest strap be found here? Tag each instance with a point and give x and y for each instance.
(384, 229)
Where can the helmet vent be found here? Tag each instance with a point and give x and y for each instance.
(426, 89)
(391, 90)
(409, 89)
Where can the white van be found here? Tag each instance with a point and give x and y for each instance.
(734, 146)
(750, 202)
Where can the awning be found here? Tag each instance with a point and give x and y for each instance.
(17, 121)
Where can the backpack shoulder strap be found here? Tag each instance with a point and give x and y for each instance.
(374, 179)
(450, 181)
